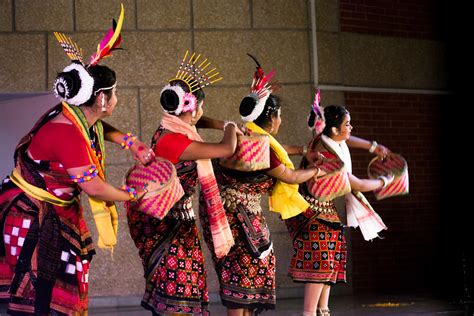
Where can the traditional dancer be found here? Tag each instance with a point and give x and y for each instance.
(319, 258)
(45, 245)
(247, 274)
(170, 248)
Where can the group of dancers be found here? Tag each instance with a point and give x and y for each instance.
(46, 247)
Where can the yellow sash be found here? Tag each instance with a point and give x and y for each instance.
(104, 213)
(284, 198)
(38, 193)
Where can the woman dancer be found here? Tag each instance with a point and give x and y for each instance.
(319, 258)
(170, 248)
(45, 245)
(247, 274)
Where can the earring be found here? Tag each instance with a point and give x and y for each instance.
(334, 131)
(193, 114)
(103, 103)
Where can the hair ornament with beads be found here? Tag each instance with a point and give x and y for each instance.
(195, 74)
(75, 84)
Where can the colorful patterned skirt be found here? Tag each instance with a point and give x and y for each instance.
(173, 262)
(319, 247)
(43, 267)
(247, 274)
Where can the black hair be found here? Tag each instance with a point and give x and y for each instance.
(270, 110)
(311, 119)
(170, 100)
(334, 116)
(104, 77)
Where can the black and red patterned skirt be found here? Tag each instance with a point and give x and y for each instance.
(247, 274)
(319, 249)
(174, 264)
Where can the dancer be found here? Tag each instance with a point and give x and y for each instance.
(45, 245)
(247, 274)
(170, 248)
(319, 258)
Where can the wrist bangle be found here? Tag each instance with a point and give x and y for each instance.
(305, 150)
(373, 146)
(132, 192)
(384, 180)
(128, 140)
(229, 123)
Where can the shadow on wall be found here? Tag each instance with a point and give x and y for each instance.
(19, 112)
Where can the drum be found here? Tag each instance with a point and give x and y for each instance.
(334, 183)
(155, 203)
(252, 153)
(393, 164)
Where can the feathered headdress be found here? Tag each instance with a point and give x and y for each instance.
(260, 90)
(195, 76)
(75, 84)
(316, 120)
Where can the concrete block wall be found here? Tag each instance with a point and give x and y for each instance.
(156, 34)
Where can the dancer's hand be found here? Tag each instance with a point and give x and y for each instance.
(382, 152)
(141, 152)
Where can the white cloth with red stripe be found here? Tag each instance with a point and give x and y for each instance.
(359, 212)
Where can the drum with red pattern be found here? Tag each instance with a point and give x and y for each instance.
(158, 202)
(393, 164)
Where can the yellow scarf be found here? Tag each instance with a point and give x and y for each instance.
(38, 193)
(105, 214)
(284, 198)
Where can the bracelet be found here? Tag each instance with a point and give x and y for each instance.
(317, 174)
(373, 146)
(229, 123)
(85, 176)
(128, 140)
(132, 192)
(305, 150)
(384, 180)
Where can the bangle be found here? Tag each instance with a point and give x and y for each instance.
(384, 180)
(132, 192)
(305, 150)
(128, 140)
(85, 176)
(373, 146)
(229, 123)
(317, 173)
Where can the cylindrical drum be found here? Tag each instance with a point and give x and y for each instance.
(252, 153)
(158, 202)
(333, 184)
(392, 164)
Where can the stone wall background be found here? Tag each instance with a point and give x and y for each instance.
(156, 33)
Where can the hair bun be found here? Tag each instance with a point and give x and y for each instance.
(169, 100)
(311, 119)
(247, 105)
(74, 85)
(67, 84)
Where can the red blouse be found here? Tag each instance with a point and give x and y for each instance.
(171, 146)
(62, 143)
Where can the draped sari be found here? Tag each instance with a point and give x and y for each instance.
(170, 248)
(45, 245)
